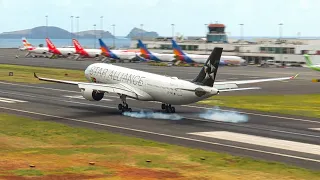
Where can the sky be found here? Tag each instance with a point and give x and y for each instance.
(260, 17)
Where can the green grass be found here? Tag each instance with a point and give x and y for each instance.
(25, 73)
(57, 149)
(303, 105)
(27, 172)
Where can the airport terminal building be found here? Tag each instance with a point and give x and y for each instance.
(254, 51)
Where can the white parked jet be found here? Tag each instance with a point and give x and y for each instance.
(67, 51)
(144, 86)
(86, 53)
(197, 58)
(34, 50)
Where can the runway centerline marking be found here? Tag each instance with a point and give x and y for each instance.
(262, 141)
(199, 107)
(164, 135)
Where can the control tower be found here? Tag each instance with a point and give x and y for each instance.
(216, 33)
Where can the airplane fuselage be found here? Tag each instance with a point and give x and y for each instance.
(39, 50)
(149, 86)
(233, 60)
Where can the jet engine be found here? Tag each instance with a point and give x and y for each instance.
(92, 95)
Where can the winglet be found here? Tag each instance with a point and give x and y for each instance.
(35, 75)
(295, 76)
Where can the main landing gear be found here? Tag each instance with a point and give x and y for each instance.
(168, 108)
(124, 107)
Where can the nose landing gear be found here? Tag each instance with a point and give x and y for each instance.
(168, 108)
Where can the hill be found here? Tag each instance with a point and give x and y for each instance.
(53, 33)
(136, 33)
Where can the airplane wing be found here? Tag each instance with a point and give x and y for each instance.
(227, 86)
(119, 88)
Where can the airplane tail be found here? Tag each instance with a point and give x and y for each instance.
(208, 72)
(50, 45)
(104, 48)
(308, 60)
(26, 44)
(77, 45)
(177, 49)
(143, 49)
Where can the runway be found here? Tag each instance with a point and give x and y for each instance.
(268, 136)
(290, 139)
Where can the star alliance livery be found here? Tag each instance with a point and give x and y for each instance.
(144, 86)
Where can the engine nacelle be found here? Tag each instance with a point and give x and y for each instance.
(92, 95)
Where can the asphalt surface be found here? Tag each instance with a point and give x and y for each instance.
(64, 104)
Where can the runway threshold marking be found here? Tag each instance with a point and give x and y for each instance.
(262, 141)
(199, 107)
(8, 100)
(164, 135)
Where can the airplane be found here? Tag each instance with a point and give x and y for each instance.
(60, 51)
(195, 58)
(157, 57)
(85, 53)
(144, 86)
(309, 63)
(312, 66)
(33, 50)
(117, 54)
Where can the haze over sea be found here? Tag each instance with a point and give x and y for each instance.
(120, 42)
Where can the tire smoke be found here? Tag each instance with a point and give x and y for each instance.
(153, 115)
(224, 116)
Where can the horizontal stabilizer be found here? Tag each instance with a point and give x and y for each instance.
(239, 89)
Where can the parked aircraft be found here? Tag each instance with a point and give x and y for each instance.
(85, 53)
(44, 51)
(66, 52)
(116, 54)
(312, 66)
(157, 57)
(107, 78)
(195, 58)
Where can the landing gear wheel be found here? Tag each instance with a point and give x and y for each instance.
(173, 109)
(124, 107)
(120, 107)
(163, 106)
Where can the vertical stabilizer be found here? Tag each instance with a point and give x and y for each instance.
(209, 71)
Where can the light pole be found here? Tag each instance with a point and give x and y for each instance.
(47, 26)
(241, 36)
(280, 39)
(205, 33)
(101, 23)
(94, 31)
(141, 25)
(114, 35)
(77, 27)
(71, 36)
(172, 31)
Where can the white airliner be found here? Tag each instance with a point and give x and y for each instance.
(157, 57)
(117, 54)
(34, 50)
(196, 58)
(67, 51)
(145, 86)
(86, 53)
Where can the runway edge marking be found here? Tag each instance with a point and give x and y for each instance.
(160, 134)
